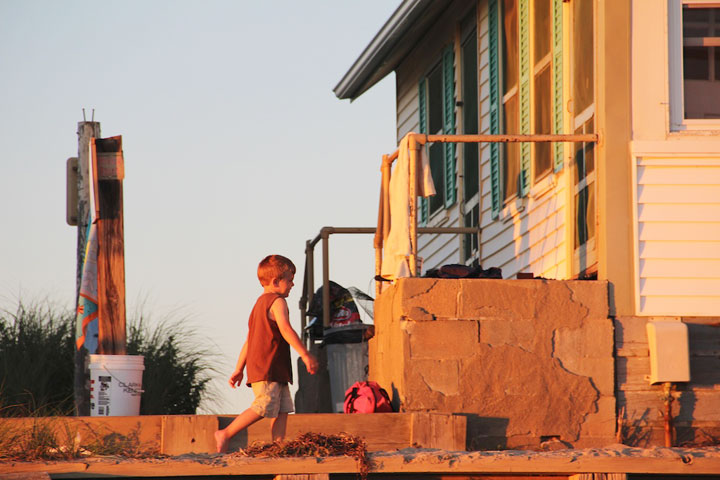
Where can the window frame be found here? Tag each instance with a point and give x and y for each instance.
(678, 122)
(539, 66)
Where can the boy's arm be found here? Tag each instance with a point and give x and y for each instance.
(279, 312)
(237, 375)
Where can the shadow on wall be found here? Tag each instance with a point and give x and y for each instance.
(494, 436)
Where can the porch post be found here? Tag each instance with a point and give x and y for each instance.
(413, 205)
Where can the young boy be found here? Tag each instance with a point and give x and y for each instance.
(266, 354)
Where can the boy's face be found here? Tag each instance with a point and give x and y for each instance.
(284, 284)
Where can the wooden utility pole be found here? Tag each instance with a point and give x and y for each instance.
(109, 172)
(86, 131)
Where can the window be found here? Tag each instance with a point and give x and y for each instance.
(542, 84)
(525, 39)
(694, 64)
(435, 126)
(583, 118)
(436, 111)
(510, 97)
(701, 61)
(472, 218)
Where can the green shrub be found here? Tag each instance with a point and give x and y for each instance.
(178, 365)
(37, 356)
(36, 360)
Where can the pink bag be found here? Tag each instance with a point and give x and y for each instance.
(367, 397)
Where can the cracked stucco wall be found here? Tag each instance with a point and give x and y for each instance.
(526, 360)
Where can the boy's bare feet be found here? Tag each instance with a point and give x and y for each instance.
(221, 441)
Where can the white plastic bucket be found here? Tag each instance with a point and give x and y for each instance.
(115, 385)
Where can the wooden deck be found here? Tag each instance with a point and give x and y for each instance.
(409, 463)
(183, 434)
(186, 440)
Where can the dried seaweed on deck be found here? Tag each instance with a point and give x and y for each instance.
(314, 445)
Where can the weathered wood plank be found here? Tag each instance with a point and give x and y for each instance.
(304, 476)
(623, 461)
(599, 476)
(25, 476)
(688, 408)
(432, 430)
(111, 252)
(183, 434)
(381, 431)
(147, 429)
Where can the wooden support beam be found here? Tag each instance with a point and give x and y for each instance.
(86, 131)
(109, 172)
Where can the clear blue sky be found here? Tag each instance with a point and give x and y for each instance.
(235, 147)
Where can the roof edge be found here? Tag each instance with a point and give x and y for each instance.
(352, 84)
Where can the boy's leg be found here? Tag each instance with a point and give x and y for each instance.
(244, 420)
(279, 426)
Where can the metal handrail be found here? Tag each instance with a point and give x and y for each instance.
(324, 235)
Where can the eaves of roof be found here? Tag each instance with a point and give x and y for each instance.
(390, 45)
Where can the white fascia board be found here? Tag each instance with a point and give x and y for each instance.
(377, 50)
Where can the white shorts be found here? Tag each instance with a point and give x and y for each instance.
(271, 399)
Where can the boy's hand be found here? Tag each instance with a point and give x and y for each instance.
(311, 363)
(236, 379)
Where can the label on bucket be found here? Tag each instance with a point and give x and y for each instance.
(104, 395)
(131, 388)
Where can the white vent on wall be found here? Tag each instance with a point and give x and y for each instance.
(669, 351)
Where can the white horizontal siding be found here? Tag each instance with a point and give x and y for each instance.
(680, 268)
(677, 193)
(658, 212)
(671, 249)
(688, 231)
(673, 286)
(678, 235)
(407, 113)
(690, 306)
(440, 249)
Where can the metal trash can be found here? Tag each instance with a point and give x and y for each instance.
(347, 359)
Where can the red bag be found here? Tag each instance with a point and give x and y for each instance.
(367, 397)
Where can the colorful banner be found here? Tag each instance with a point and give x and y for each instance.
(86, 317)
(87, 311)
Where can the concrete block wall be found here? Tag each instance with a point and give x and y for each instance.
(525, 360)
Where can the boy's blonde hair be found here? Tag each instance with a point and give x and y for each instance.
(272, 267)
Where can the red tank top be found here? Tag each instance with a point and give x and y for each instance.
(268, 355)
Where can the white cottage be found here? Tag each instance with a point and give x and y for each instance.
(639, 208)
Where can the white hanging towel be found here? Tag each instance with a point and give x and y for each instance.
(396, 247)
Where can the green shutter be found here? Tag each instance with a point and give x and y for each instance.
(525, 148)
(423, 204)
(494, 72)
(557, 81)
(448, 66)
